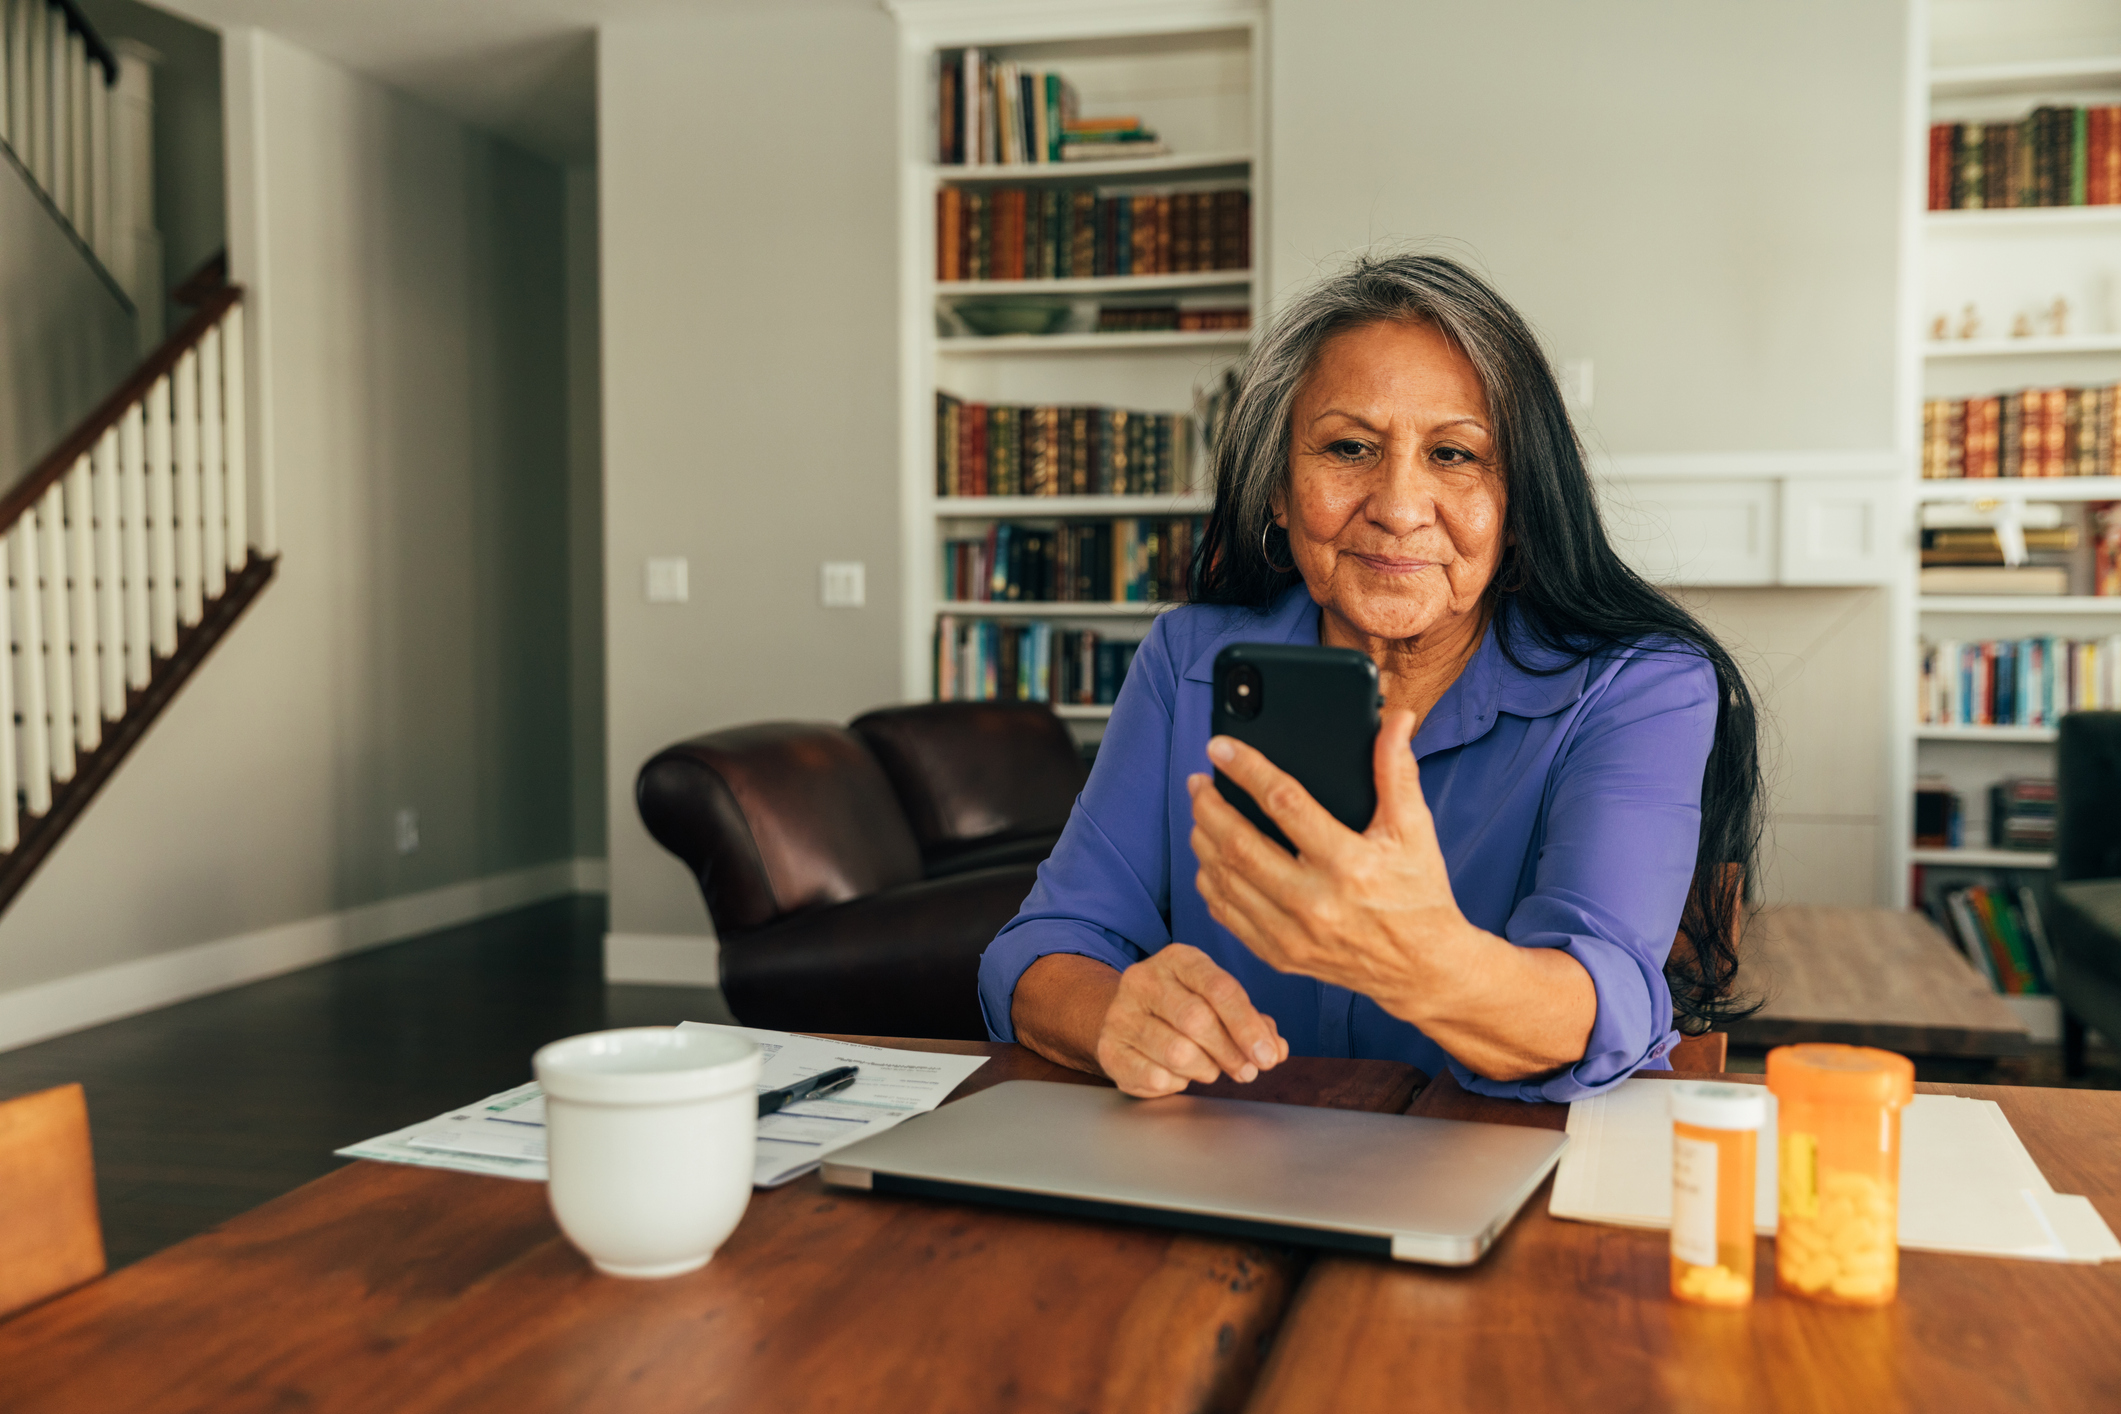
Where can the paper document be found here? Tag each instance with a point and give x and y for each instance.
(1967, 1185)
(504, 1134)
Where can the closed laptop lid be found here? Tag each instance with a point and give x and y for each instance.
(1417, 1189)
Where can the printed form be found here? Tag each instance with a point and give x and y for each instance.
(504, 1134)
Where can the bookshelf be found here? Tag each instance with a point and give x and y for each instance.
(2004, 262)
(1193, 70)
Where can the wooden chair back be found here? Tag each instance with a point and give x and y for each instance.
(50, 1238)
(1702, 1055)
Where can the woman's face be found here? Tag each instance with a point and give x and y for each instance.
(1394, 502)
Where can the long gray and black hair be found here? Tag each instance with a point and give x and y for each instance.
(1572, 593)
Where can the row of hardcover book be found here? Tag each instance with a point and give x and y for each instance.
(2021, 814)
(2000, 929)
(1064, 233)
(2055, 156)
(981, 660)
(1132, 560)
(990, 112)
(984, 449)
(2032, 432)
(2017, 682)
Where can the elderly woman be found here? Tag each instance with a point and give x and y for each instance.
(1566, 764)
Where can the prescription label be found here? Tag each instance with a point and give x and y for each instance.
(1800, 1175)
(1694, 1201)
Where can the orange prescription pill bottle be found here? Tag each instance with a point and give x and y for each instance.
(1838, 1167)
(1715, 1134)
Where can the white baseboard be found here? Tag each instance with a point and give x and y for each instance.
(54, 1008)
(2042, 1014)
(662, 959)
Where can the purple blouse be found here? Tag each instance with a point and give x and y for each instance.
(1568, 806)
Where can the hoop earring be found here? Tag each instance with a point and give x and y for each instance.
(1265, 554)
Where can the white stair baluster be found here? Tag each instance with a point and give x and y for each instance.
(58, 631)
(54, 105)
(81, 597)
(161, 531)
(10, 804)
(33, 132)
(110, 582)
(100, 194)
(132, 525)
(213, 554)
(77, 132)
(29, 666)
(236, 444)
(185, 389)
(7, 71)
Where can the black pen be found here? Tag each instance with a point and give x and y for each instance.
(817, 1087)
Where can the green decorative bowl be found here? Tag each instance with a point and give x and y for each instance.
(1024, 316)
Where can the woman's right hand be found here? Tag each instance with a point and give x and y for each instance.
(1177, 1017)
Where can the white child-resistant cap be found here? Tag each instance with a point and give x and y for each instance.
(1712, 1106)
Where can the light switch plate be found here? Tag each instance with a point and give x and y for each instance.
(840, 584)
(669, 580)
(1576, 383)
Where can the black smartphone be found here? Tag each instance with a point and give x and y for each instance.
(1313, 712)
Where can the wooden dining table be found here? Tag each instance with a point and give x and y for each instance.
(385, 1288)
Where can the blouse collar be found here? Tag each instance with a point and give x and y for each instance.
(1490, 683)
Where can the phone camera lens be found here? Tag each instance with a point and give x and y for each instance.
(1243, 692)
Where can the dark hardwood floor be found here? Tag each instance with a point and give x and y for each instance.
(206, 1109)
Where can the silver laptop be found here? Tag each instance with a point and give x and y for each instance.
(1419, 1190)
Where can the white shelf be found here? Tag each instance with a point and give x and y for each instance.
(2038, 604)
(1974, 80)
(1111, 167)
(2020, 217)
(2023, 348)
(981, 506)
(1082, 711)
(1095, 284)
(2021, 488)
(1986, 734)
(1042, 609)
(1092, 343)
(1984, 858)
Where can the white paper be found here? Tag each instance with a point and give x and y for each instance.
(504, 1134)
(1967, 1184)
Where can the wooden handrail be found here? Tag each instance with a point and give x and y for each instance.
(93, 42)
(82, 440)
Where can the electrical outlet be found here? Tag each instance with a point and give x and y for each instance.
(669, 580)
(840, 584)
(408, 830)
(1576, 383)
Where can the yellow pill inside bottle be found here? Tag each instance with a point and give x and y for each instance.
(1838, 1109)
(1715, 1138)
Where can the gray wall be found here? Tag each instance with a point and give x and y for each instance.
(1700, 196)
(750, 371)
(66, 333)
(415, 649)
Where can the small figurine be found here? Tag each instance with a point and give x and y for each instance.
(2058, 318)
(1942, 328)
(2022, 326)
(1969, 323)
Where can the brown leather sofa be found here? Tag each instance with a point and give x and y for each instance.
(855, 874)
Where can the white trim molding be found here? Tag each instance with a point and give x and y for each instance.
(48, 1009)
(663, 959)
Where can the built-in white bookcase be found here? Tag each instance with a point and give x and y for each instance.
(2002, 262)
(1193, 72)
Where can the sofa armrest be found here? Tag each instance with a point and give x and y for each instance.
(903, 962)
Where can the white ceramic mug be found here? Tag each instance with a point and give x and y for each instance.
(650, 1133)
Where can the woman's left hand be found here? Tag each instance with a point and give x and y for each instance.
(1372, 912)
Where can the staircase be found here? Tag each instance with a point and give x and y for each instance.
(126, 555)
(131, 547)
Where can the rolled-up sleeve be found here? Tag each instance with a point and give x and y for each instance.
(1616, 859)
(1104, 892)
